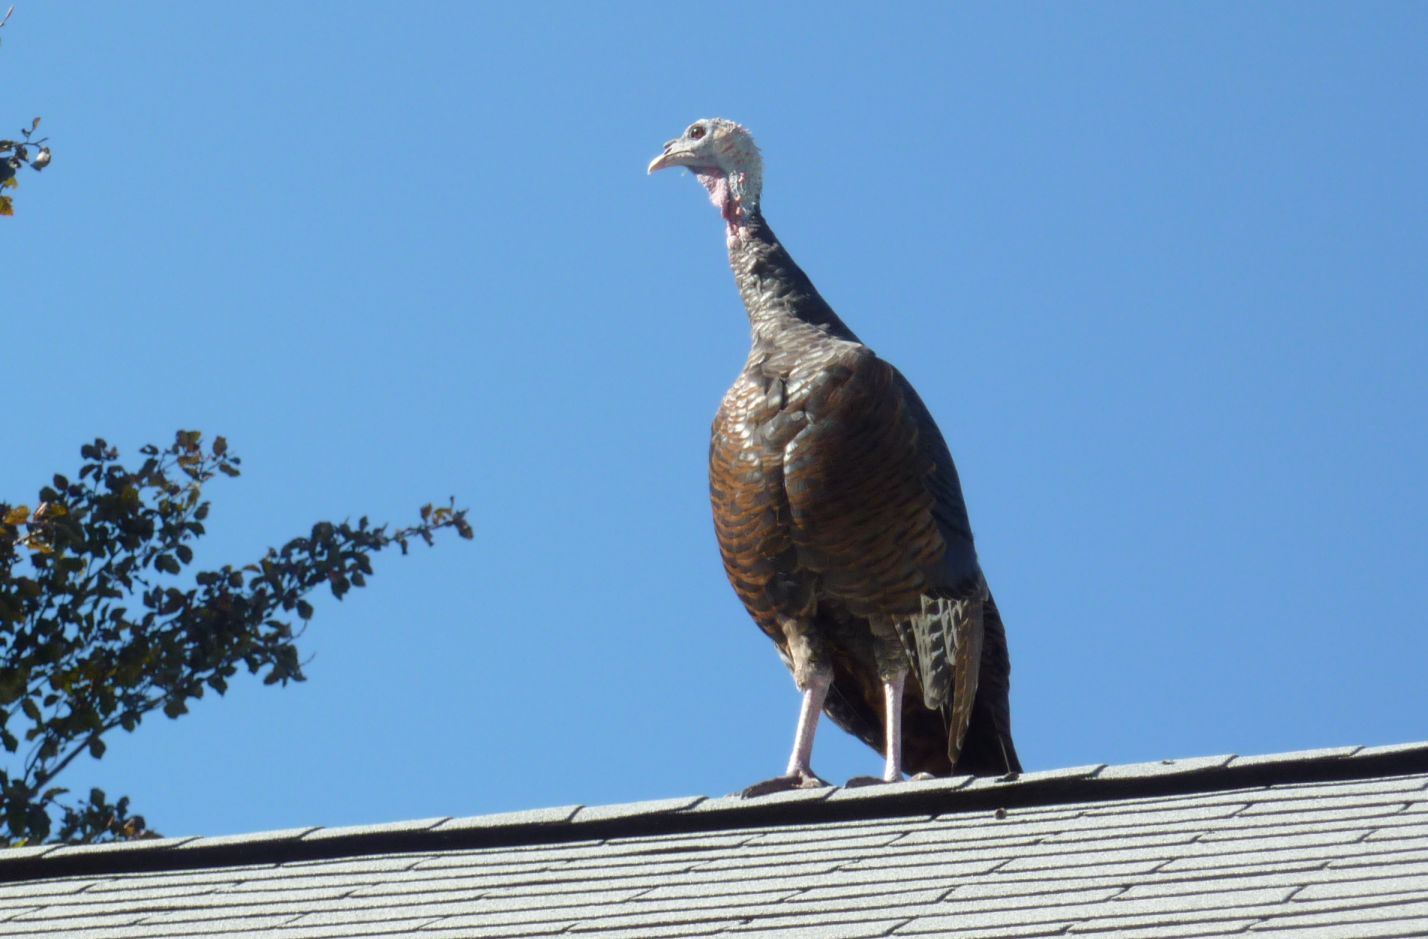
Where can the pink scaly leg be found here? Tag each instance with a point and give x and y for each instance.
(892, 703)
(892, 734)
(800, 773)
(801, 760)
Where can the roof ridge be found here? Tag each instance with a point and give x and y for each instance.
(697, 814)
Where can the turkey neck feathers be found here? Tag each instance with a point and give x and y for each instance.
(782, 303)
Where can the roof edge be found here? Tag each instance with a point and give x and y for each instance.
(962, 794)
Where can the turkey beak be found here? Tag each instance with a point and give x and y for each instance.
(672, 156)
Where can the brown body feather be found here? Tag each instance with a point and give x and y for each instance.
(835, 500)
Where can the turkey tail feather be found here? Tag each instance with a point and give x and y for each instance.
(966, 655)
(944, 643)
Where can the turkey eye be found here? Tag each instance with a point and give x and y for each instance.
(695, 132)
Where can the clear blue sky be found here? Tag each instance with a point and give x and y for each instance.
(1160, 271)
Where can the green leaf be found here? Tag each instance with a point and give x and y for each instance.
(65, 625)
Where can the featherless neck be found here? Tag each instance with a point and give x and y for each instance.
(781, 301)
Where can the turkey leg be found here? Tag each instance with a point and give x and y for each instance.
(892, 734)
(800, 773)
(892, 702)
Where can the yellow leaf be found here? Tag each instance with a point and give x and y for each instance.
(51, 510)
(18, 515)
(12, 183)
(6, 207)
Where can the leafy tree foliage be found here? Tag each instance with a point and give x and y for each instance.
(28, 151)
(98, 627)
(15, 154)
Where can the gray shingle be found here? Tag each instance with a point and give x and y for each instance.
(1329, 854)
(1019, 923)
(123, 926)
(867, 930)
(226, 841)
(1255, 827)
(1345, 806)
(918, 787)
(1335, 916)
(1399, 749)
(59, 916)
(793, 840)
(1372, 853)
(473, 928)
(737, 804)
(760, 890)
(1222, 927)
(1351, 787)
(656, 931)
(986, 832)
(1069, 772)
(978, 927)
(1410, 829)
(1295, 756)
(552, 816)
(606, 813)
(1036, 908)
(1293, 844)
(144, 845)
(1381, 929)
(389, 927)
(43, 888)
(338, 878)
(1406, 878)
(1002, 885)
(26, 853)
(1199, 764)
(132, 897)
(357, 831)
(1115, 916)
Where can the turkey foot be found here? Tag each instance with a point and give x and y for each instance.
(858, 782)
(787, 783)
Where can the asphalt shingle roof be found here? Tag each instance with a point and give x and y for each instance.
(1324, 843)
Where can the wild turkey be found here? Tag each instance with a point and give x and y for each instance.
(840, 516)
